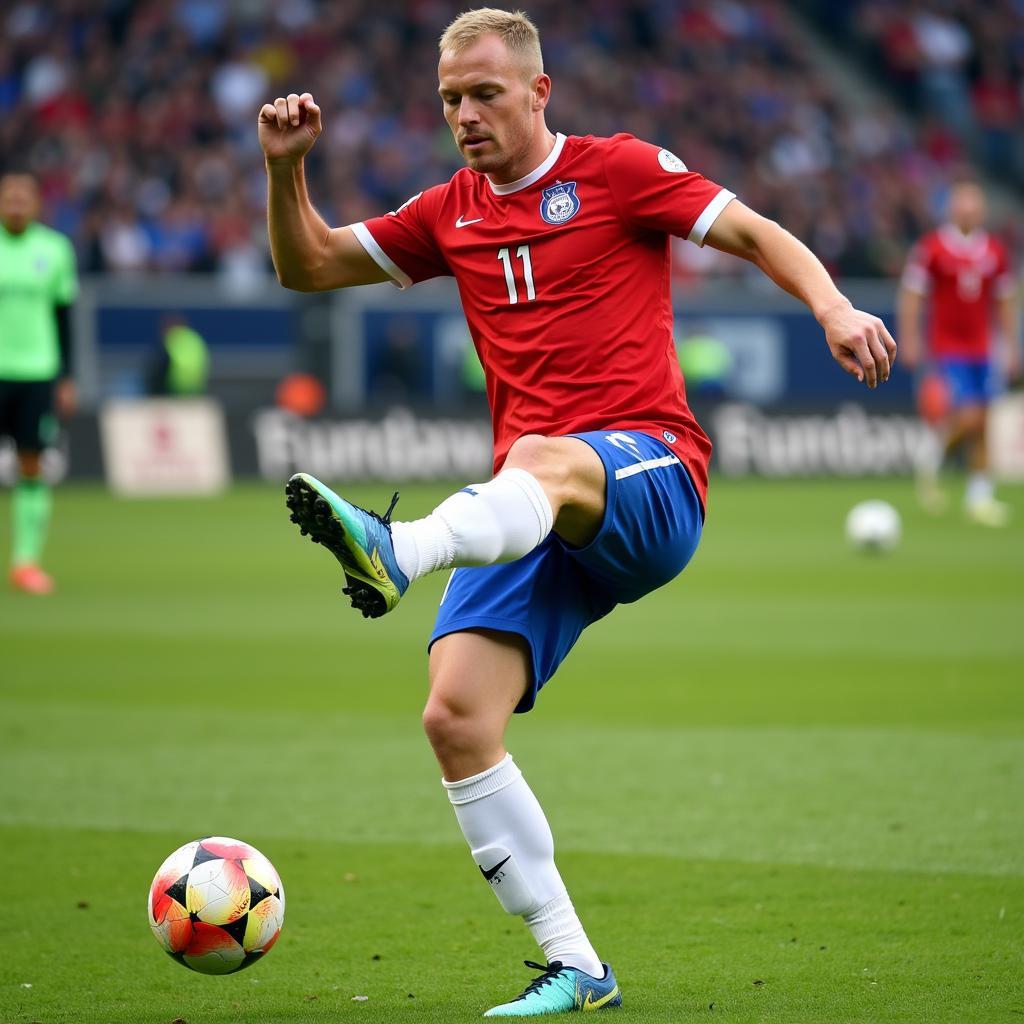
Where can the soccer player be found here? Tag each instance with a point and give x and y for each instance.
(38, 284)
(962, 275)
(560, 248)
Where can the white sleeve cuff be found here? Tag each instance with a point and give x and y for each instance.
(398, 276)
(915, 279)
(709, 216)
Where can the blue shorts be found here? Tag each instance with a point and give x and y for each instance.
(969, 382)
(652, 523)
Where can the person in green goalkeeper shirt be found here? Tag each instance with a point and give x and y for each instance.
(38, 283)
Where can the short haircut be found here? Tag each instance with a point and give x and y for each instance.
(17, 171)
(965, 177)
(7, 177)
(513, 28)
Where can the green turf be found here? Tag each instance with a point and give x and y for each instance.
(787, 788)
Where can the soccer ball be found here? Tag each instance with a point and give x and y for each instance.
(873, 526)
(216, 905)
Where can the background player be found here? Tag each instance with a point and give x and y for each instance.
(38, 283)
(560, 249)
(960, 274)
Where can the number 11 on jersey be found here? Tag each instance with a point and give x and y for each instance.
(523, 252)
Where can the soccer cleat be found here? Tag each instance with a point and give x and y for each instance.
(561, 989)
(359, 540)
(30, 579)
(988, 513)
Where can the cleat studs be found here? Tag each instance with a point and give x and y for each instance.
(316, 519)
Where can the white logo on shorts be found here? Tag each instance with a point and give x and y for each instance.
(626, 443)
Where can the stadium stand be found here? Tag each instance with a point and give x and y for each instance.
(957, 63)
(143, 116)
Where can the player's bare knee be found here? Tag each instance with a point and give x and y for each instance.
(540, 456)
(531, 452)
(974, 419)
(449, 728)
(438, 722)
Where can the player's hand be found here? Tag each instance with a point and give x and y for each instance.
(65, 397)
(860, 344)
(289, 126)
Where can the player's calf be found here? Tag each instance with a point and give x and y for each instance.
(500, 520)
(573, 478)
(497, 521)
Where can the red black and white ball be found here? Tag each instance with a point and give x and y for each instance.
(216, 905)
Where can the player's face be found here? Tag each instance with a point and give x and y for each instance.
(19, 201)
(492, 107)
(967, 207)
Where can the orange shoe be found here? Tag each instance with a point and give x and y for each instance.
(30, 579)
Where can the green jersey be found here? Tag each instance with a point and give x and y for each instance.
(37, 272)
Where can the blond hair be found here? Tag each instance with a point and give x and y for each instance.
(513, 28)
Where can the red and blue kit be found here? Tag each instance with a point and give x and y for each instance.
(564, 279)
(962, 275)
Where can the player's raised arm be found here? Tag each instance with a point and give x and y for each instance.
(859, 342)
(309, 256)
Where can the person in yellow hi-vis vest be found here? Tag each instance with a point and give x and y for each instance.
(182, 363)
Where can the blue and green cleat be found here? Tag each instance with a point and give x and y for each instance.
(359, 540)
(561, 990)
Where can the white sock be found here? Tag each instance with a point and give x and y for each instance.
(514, 850)
(980, 489)
(498, 521)
(932, 456)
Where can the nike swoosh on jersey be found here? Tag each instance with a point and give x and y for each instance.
(460, 223)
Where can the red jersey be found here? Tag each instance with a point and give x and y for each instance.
(564, 279)
(962, 275)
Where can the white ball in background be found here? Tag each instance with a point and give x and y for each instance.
(873, 526)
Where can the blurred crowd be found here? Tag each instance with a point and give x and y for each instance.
(139, 118)
(959, 63)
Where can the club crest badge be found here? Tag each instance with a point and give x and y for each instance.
(559, 203)
(670, 162)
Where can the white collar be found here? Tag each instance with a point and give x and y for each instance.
(956, 239)
(534, 175)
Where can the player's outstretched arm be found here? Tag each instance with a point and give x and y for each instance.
(859, 342)
(308, 255)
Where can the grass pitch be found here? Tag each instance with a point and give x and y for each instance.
(787, 787)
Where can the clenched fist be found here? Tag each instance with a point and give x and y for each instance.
(288, 127)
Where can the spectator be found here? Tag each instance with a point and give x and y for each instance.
(129, 113)
(960, 63)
